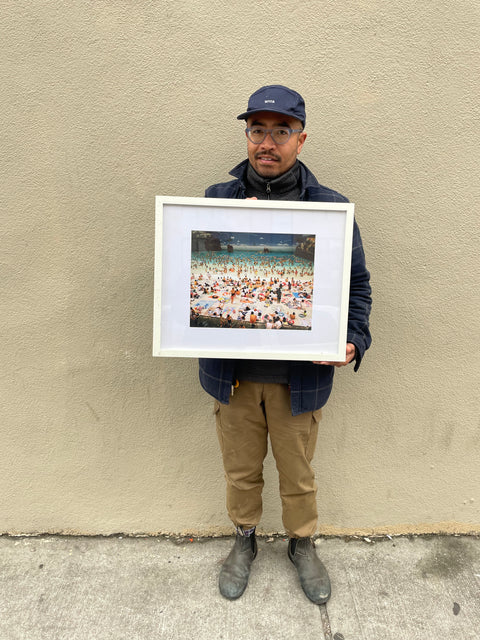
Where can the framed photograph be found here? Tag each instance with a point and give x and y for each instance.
(263, 279)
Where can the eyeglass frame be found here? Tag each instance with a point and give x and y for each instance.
(270, 131)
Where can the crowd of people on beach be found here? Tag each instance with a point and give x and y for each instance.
(251, 291)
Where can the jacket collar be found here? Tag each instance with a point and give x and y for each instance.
(307, 179)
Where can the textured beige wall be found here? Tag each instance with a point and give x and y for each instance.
(106, 104)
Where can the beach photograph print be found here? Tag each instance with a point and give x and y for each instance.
(251, 280)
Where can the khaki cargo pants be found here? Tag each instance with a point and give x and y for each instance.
(257, 410)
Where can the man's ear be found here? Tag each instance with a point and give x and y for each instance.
(301, 141)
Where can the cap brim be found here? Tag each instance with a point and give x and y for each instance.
(247, 114)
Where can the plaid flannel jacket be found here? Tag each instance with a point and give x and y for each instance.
(310, 384)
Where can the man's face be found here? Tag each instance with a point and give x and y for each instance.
(268, 158)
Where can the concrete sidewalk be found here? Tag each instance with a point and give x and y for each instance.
(71, 588)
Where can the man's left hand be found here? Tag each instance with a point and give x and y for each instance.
(350, 356)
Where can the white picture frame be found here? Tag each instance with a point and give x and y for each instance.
(190, 269)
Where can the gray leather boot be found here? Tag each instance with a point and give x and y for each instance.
(235, 571)
(311, 570)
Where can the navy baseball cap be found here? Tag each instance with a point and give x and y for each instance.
(277, 98)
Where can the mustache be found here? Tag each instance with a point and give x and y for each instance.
(259, 154)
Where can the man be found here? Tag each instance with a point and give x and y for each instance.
(257, 398)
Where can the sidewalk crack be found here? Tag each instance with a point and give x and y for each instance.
(327, 630)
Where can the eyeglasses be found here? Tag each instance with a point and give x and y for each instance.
(280, 135)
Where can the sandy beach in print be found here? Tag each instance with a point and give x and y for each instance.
(251, 280)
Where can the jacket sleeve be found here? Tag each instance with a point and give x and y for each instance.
(360, 303)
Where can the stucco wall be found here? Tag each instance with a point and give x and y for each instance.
(106, 104)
